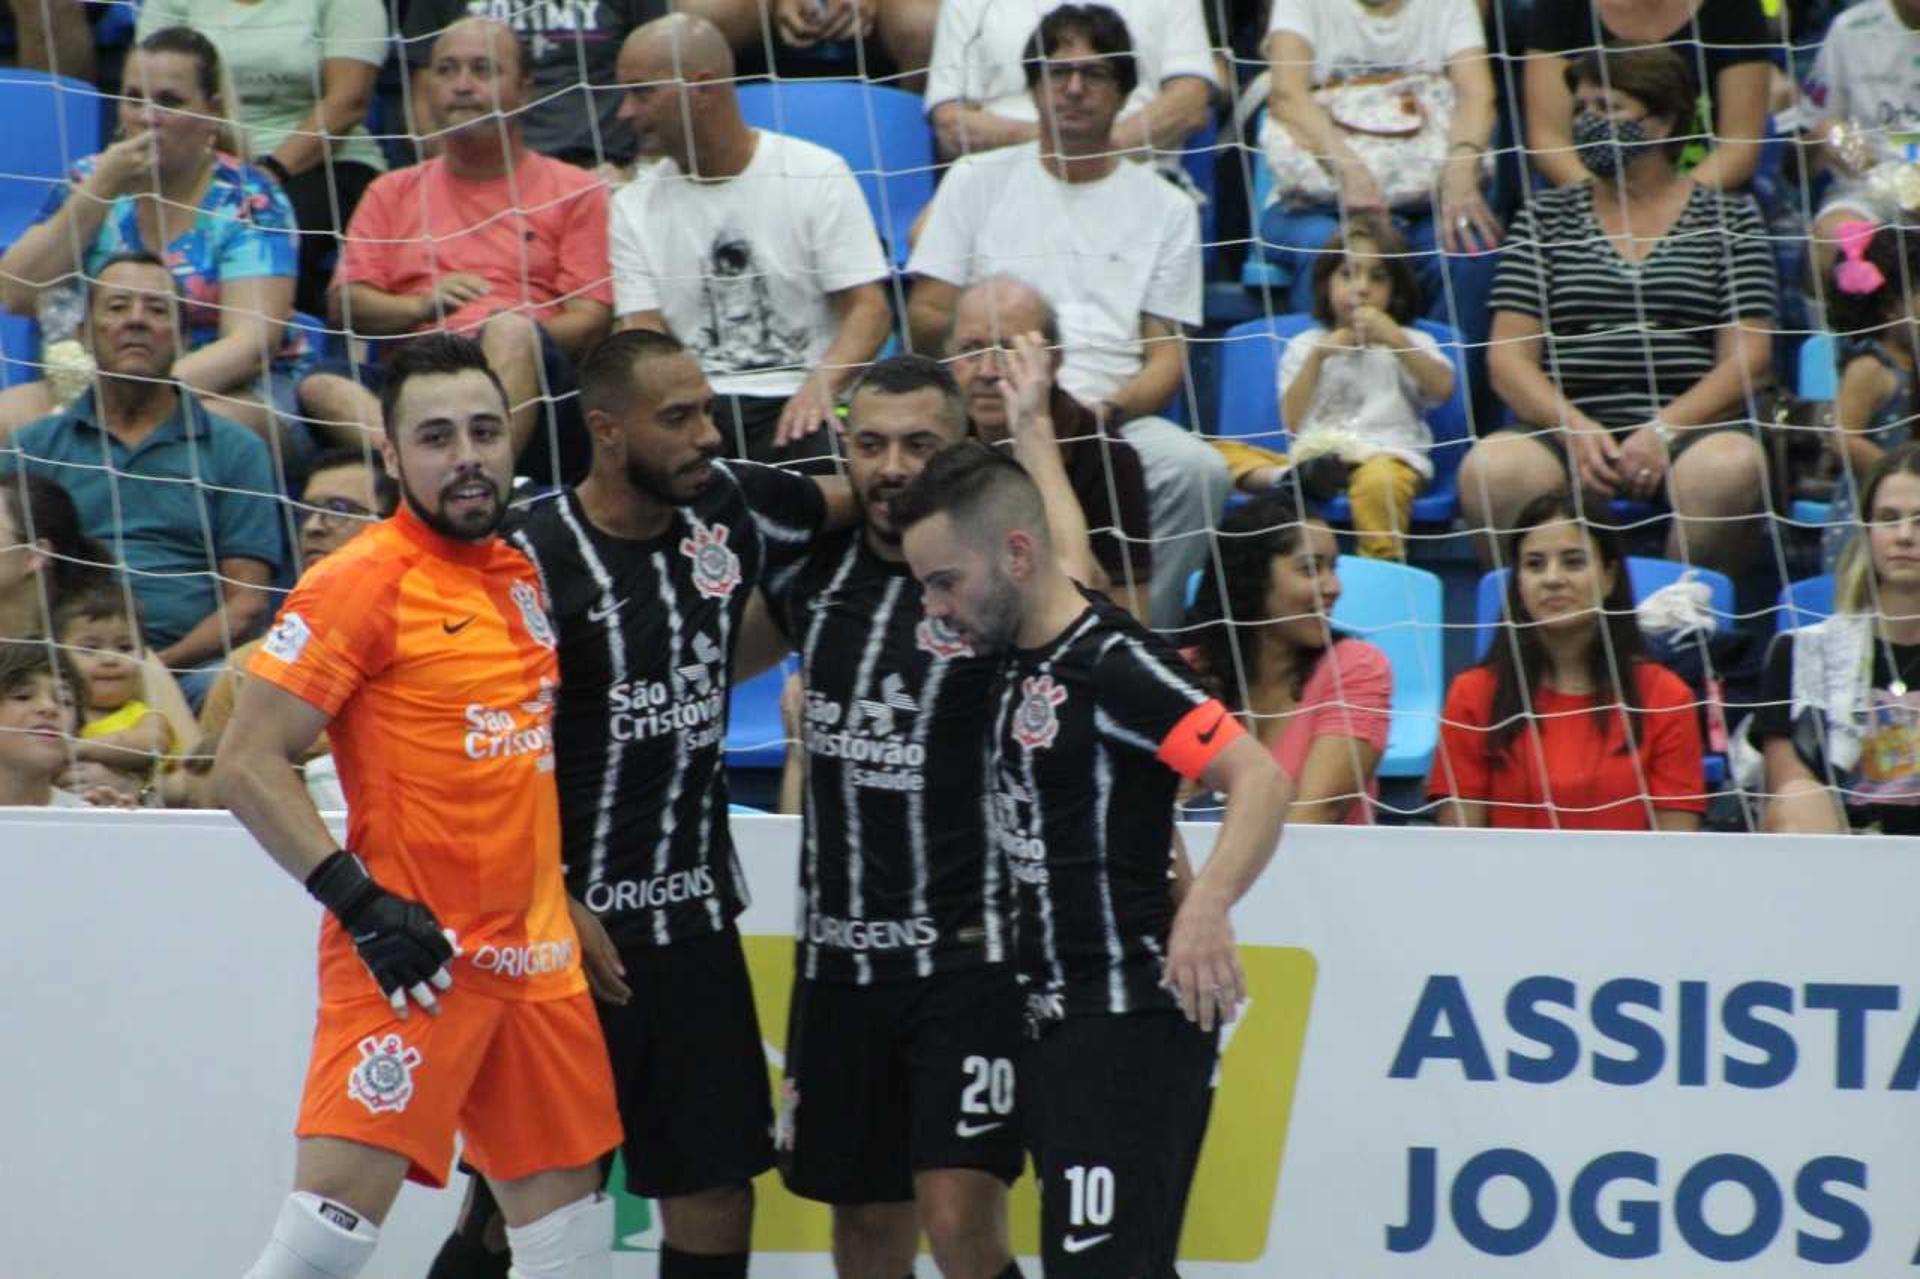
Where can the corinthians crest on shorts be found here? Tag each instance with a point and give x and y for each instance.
(383, 1078)
(1036, 724)
(716, 569)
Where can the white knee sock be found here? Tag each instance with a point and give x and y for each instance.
(574, 1242)
(315, 1238)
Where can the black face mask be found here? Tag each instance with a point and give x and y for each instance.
(1603, 142)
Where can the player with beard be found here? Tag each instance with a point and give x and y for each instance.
(649, 564)
(424, 650)
(1094, 721)
(899, 1089)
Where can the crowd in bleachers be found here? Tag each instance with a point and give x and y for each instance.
(1503, 289)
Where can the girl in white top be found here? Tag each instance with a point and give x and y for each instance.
(1357, 386)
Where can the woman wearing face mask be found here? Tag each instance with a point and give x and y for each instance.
(1632, 321)
(1724, 45)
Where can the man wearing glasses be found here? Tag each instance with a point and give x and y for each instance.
(1112, 246)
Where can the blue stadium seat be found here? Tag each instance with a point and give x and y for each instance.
(116, 25)
(1259, 273)
(56, 122)
(19, 350)
(1819, 377)
(1200, 157)
(755, 736)
(1401, 611)
(1805, 602)
(1644, 574)
(1250, 406)
(325, 340)
(881, 133)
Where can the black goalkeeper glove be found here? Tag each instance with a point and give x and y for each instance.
(400, 941)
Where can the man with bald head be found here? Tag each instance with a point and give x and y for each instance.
(489, 239)
(755, 249)
(1102, 467)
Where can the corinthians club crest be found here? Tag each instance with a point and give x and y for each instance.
(716, 569)
(383, 1078)
(1035, 724)
(532, 614)
(934, 637)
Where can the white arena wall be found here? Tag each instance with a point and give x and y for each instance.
(1477, 1053)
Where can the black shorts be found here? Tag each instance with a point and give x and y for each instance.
(690, 1069)
(1116, 1108)
(901, 1077)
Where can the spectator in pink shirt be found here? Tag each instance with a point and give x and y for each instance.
(489, 239)
(1320, 704)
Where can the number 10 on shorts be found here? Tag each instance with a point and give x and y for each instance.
(1089, 1195)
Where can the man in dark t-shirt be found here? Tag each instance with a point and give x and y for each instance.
(1094, 722)
(1102, 467)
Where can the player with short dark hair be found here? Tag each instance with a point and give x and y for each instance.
(899, 1099)
(649, 564)
(424, 649)
(1094, 722)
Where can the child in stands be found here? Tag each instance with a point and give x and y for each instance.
(122, 739)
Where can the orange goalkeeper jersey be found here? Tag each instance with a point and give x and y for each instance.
(435, 660)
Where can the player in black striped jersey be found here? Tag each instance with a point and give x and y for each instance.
(648, 566)
(1095, 720)
(905, 1019)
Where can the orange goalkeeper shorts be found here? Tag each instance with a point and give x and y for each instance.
(526, 1085)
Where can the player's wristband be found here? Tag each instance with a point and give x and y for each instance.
(342, 885)
(273, 166)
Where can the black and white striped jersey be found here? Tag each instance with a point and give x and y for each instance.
(1082, 810)
(646, 638)
(895, 881)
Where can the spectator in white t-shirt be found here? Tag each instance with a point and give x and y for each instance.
(1113, 247)
(977, 92)
(755, 249)
(1323, 54)
(1865, 94)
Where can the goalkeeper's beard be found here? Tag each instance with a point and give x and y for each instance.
(474, 528)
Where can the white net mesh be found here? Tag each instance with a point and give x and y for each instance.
(1687, 312)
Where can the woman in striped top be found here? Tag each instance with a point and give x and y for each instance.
(1631, 325)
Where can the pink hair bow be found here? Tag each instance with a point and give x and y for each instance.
(1855, 274)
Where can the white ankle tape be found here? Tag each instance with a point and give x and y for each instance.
(574, 1242)
(315, 1238)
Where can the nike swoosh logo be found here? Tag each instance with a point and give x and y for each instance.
(1075, 1243)
(600, 613)
(454, 628)
(1206, 738)
(966, 1129)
